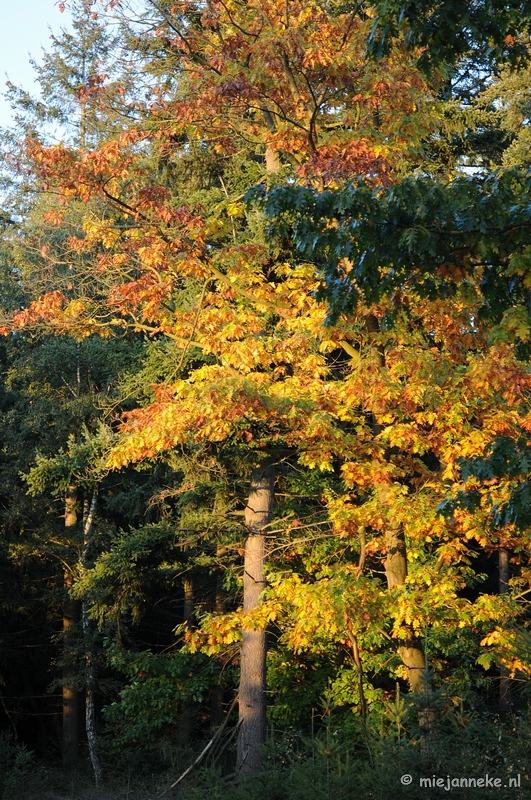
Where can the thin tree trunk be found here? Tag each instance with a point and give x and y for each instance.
(185, 718)
(188, 607)
(90, 708)
(410, 649)
(252, 689)
(410, 652)
(70, 620)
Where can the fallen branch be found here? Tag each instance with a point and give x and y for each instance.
(202, 754)
(220, 752)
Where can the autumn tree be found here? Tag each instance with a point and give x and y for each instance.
(454, 244)
(284, 84)
(386, 395)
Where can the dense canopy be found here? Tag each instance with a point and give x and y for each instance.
(266, 430)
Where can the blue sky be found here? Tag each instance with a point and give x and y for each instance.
(24, 30)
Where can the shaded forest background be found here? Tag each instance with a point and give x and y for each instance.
(265, 402)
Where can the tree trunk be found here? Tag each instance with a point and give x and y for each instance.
(410, 649)
(272, 161)
(185, 718)
(70, 620)
(90, 708)
(70, 693)
(503, 587)
(252, 689)
(188, 606)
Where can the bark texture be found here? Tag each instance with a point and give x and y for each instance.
(252, 689)
(90, 707)
(410, 649)
(70, 621)
(188, 603)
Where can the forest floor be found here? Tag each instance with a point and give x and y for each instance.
(91, 793)
(125, 792)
